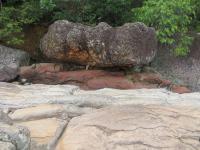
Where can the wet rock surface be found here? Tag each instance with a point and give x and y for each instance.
(64, 117)
(103, 45)
(10, 61)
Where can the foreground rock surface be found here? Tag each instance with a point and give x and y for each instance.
(10, 61)
(103, 45)
(45, 117)
(134, 127)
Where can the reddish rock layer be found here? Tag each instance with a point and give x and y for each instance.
(95, 79)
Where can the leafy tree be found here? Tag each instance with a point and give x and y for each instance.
(15, 14)
(196, 21)
(47, 5)
(171, 19)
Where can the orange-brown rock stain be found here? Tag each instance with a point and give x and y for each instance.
(74, 55)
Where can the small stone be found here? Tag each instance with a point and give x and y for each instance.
(23, 81)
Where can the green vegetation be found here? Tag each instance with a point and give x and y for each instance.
(114, 12)
(16, 14)
(172, 19)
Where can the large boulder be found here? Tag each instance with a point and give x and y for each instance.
(102, 45)
(10, 61)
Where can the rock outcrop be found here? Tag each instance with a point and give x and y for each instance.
(45, 117)
(103, 45)
(195, 47)
(10, 61)
(182, 70)
(49, 73)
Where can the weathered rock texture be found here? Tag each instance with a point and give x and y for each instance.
(10, 61)
(134, 127)
(195, 48)
(182, 70)
(103, 45)
(14, 137)
(36, 117)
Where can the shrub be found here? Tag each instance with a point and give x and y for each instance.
(196, 21)
(15, 14)
(171, 19)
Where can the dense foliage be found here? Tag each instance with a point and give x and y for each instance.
(15, 14)
(172, 19)
(114, 12)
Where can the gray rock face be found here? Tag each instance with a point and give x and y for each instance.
(103, 45)
(4, 118)
(7, 146)
(10, 60)
(15, 137)
(195, 47)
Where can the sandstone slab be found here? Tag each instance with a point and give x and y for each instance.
(38, 112)
(134, 127)
(42, 130)
(36, 116)
(54, 73)
(18, 96)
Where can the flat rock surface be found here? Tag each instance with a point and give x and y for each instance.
(65, 117)
(42, 130)
(134, 127)
(18, 96)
